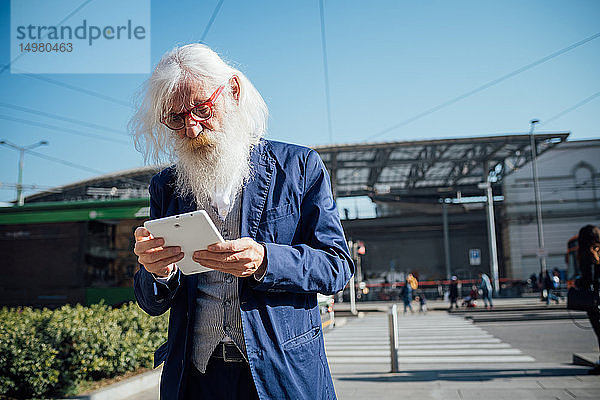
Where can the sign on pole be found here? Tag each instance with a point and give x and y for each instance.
(475, 256)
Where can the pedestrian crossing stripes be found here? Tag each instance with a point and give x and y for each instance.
(433, 338)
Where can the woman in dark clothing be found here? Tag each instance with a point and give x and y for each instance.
(453, 295)
(407, 292)
(588, 257)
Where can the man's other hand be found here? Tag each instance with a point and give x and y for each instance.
(241, 257)
(155, 258)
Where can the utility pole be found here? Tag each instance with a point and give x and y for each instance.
(538, 206)
(491, 225)
(446, 238)
(22, 150)
(353, 254)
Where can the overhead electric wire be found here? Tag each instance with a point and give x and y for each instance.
(64, 130)
(78, 89)
(6, 66)
(211, 20)
(572, 108)
(65, 162)
(79, 166)
(486, 85)
(61, 118)
(326, 71)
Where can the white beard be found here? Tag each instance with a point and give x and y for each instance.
(222, 167)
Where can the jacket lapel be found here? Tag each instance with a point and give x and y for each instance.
(254, 194)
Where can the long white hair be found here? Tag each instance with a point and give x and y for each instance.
(182, 65)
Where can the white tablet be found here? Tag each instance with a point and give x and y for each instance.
(191, 231)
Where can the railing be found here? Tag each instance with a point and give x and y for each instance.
(434, 289)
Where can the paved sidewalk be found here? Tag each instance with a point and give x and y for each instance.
(443, 357)
(440, 366)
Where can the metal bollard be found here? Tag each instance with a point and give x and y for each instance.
(393, 330)
(352, 297)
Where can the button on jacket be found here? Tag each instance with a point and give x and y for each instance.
(288, 206)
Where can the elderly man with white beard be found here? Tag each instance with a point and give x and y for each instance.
(250, 327)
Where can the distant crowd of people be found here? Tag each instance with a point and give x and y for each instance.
(483, 290)
(409, 292)
(548, 282)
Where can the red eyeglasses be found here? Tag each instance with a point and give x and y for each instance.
(199, 113)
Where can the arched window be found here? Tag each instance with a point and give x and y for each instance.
(585, 187)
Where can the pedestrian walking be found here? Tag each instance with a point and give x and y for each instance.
(588, 258)
(541, 286)
(422, 302)
(412, 280)
(407, 296)
(557, 283)
(533, 282)
(453, 292)
(553, 286)
(485, 285)
(549, 285)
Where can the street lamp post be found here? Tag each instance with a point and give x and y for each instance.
(538, 205)
(22, 150)
(491, 224)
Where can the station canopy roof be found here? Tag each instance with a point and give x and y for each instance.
(417, 170)
(387, 171)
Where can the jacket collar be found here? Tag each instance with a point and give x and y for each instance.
(254, 194)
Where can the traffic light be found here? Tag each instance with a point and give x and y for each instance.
(361, 248)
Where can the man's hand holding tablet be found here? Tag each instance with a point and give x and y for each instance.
(157, 259)
(183, 234)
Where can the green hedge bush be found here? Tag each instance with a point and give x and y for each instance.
(50, 352)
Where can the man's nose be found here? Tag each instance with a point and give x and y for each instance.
(192, 128)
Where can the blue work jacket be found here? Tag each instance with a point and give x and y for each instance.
(288, 206)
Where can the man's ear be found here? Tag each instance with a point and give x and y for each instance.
(236, 88)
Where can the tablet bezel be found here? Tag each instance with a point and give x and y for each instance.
(191, 231)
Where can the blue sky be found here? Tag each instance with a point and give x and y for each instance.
(388, 61)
